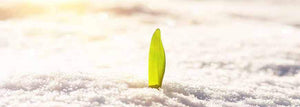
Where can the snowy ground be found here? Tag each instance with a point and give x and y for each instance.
(219, 53)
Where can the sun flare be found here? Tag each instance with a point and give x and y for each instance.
(50, 6)
(52, 1)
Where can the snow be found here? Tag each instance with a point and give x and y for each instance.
(95, 53)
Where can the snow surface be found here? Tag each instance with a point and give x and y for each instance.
(219, 53)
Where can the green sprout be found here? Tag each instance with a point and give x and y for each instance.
(157, 61)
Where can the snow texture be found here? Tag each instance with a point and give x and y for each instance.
(235, 53)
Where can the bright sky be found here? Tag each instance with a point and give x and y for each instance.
(52, 1)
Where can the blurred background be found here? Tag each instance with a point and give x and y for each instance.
(95, 52)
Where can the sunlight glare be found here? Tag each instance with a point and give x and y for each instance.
(52, 1)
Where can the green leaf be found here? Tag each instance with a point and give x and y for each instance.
(157, 61)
